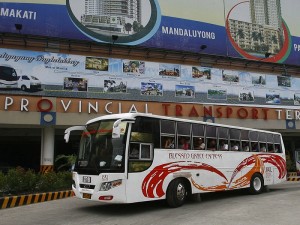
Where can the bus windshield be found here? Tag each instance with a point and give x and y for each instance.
(98, 151)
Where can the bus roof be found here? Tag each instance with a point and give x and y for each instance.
(132, 116)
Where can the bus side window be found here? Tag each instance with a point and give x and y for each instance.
(198, 136)
(277, 148)
(245, 146)
(271, 147)
(270, 143)
(235, 136)
(234, 146)
(245, 140)
(211, 144)
(198, 143)
(167, 132)
(184, 142)
(254, 147)
(223, 138)
(141, 151)
(168, 142)
(253, 136)
(146, 130)
(263, 147)
(223, 145)
(263, 141)
(211, 137)
(277, 141)
(134, 151)
(183, 135)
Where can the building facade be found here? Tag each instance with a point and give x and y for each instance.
(103, 59)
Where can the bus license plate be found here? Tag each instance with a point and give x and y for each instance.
(86, 195)
(86, 179)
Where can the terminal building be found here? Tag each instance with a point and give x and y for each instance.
(65, 62)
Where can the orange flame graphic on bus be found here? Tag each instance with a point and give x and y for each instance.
(152, 186)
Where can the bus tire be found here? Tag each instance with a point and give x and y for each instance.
(176, 193)
(256, 184)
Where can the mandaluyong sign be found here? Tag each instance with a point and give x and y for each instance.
(244, 29)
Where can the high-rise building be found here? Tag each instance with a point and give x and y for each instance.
(266, 12)
(113, 15)
(126, 9)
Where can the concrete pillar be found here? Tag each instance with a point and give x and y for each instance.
(47, 149)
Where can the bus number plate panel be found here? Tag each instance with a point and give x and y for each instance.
(86, 179)
(86, 195)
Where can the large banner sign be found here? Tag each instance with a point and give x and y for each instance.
(64, 75)
(265, 30)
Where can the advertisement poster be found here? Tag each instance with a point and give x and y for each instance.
(65, 75)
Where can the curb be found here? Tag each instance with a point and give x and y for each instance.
(14, 201)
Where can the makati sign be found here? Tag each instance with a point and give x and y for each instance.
(186, 110)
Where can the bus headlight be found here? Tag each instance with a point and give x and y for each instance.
(109, 185)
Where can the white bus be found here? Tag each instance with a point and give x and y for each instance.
(136, 157)
(8, 77)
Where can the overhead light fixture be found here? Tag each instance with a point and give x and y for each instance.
(18, 26)
(114, 38)
(202, 47)
(267, 54)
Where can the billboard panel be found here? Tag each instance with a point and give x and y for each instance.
(245, 29)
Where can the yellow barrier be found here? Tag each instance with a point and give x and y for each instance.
(13, 201)
(293, 176)
(293, 179)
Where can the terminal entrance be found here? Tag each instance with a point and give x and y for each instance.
(22, 147)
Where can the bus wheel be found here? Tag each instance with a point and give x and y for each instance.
(176, 193)
(256, 184)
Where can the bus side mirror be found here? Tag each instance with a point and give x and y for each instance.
(116, 133)
(70, 129)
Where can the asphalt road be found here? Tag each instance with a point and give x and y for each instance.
(279, 206)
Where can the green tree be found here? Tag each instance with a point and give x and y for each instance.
(128, 27)
(254, 36)
(137, 27)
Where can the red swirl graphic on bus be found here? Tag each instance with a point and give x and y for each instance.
(277, 161)
(152, 186)
(153, 182)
